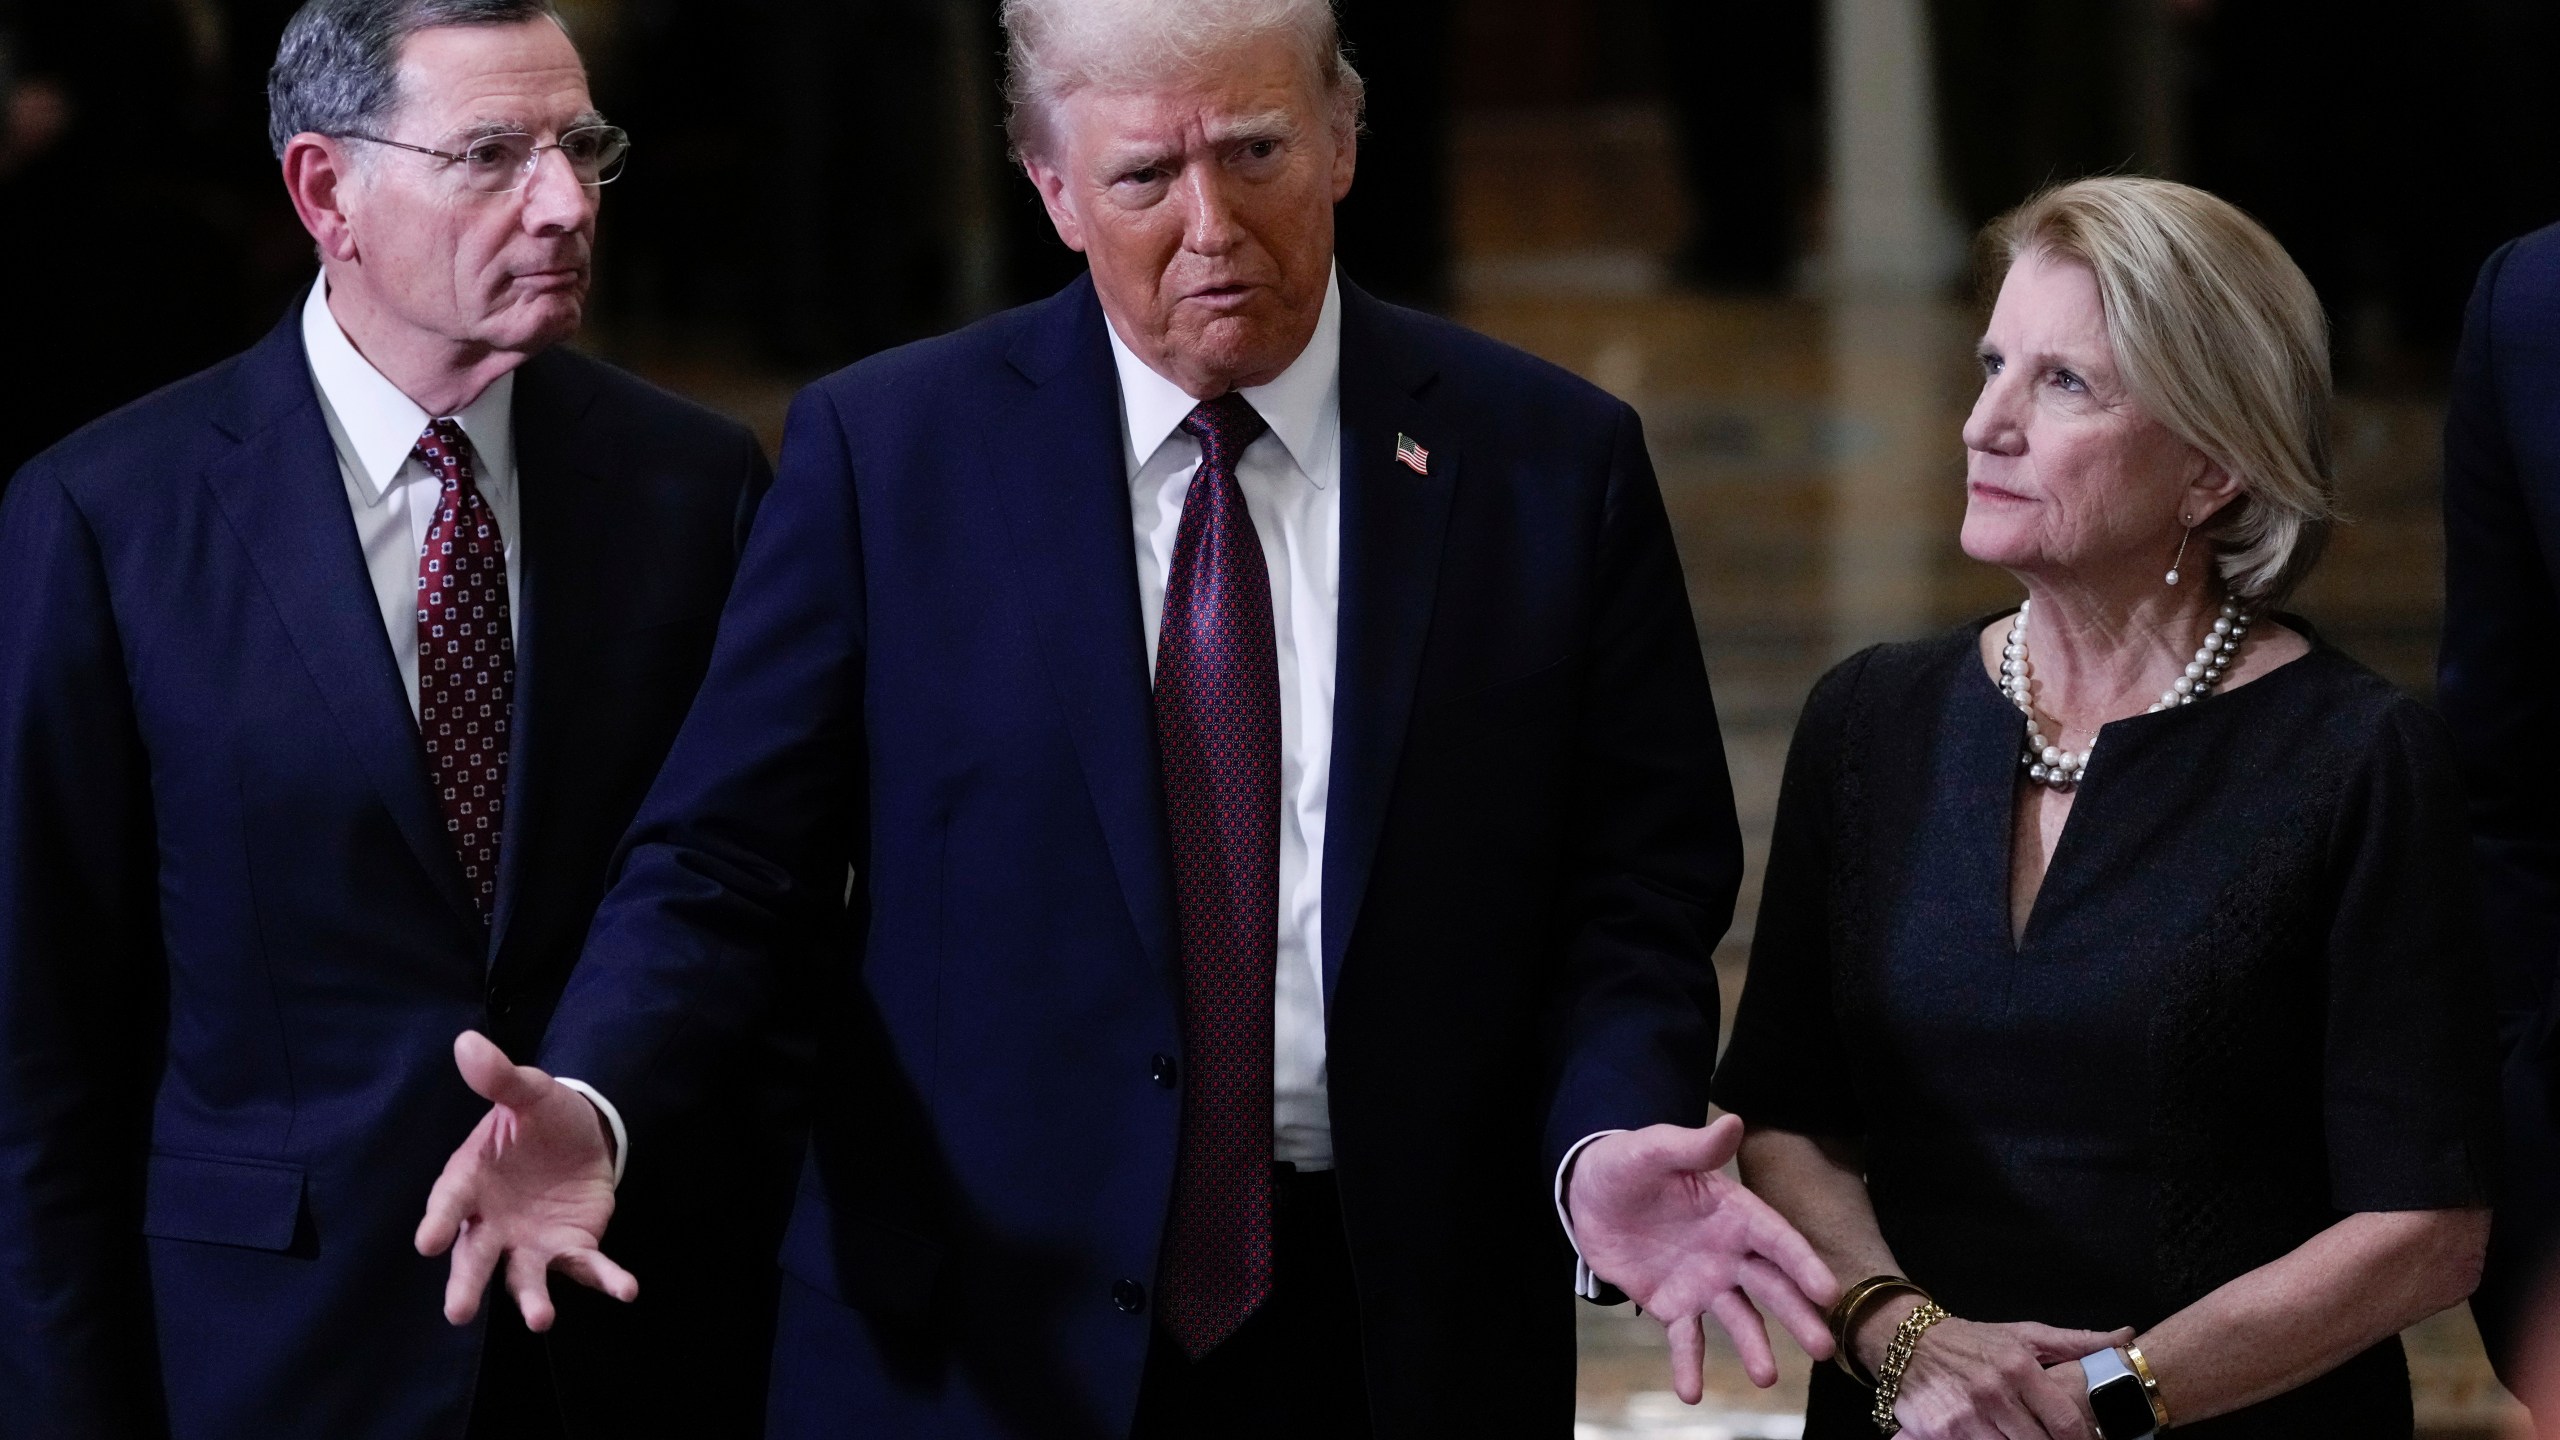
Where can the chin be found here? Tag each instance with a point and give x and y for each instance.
(540, 323)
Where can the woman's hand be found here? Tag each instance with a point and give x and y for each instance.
(1970, 1381)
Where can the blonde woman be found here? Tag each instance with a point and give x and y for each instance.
(2113, 1003)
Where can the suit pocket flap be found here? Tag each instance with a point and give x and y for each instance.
(252, 1203)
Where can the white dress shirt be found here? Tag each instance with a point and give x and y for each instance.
(375, 427)
(1292, 483)
(393, 495)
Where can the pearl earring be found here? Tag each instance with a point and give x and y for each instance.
(2172, 576)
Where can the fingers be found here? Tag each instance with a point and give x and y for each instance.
(1688, 1359)
(2055, 1410)
(2053, 1345)
(1777, 1296)
(1786, 1248)
(1717, 1143)
(592, 1269)
(1750, 1337)
(528, 1278)
(475, 1255)
(447, 1204)
(491, 1076)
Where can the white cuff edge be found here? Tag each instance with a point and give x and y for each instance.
(1585, 1284)
(613, 1122)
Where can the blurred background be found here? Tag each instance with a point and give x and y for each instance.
(1750, 218)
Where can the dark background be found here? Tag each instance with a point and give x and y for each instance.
(815, 179)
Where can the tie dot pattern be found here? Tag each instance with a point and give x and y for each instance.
(1217, 704)
(466, 661)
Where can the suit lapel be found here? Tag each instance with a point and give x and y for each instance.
(1057, 457)
(281, 491)
(557, 569)
(1393, 524)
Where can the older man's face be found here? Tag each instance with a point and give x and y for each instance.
(1205, 209)
(506, 271)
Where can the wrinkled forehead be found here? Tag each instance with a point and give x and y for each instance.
(460, 80)
(2051, 302)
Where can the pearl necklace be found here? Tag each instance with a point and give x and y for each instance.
(2060, 769)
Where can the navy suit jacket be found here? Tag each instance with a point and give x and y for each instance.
(2498, 681)
(235, 944)
(933, 670)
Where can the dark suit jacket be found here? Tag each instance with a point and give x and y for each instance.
(235, 946)
(2498, 680)
(933, 669)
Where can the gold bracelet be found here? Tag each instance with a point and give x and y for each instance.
(2150, 1388)
(1897, 1358)
(1843, 1318)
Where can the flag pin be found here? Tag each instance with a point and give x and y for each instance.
(1411, 453)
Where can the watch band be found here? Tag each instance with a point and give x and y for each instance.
(2116, 1398)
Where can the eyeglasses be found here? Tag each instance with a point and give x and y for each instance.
(496, 164)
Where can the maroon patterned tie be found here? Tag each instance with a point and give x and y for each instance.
(1217, 698)
(466, 661)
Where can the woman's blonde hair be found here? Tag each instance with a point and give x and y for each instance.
(2220, 338)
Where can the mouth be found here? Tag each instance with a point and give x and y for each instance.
(557, 279)
(1994, 494)
(1223, 297)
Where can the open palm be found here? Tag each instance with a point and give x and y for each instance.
(1654, 1215)
(531, 1189)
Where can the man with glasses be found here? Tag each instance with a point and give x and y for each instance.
(328, 680)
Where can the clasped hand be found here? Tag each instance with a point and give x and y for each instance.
(1970, 1381)
(532, 1188)
(1654, 1215)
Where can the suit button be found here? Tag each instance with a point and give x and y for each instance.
(1160, 1069)
(502, 1005)
(1130, 1296)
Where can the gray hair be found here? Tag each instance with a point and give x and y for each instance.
(1055, 47)
(337, 69)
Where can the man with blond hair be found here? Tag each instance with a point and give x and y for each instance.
(1267, 733)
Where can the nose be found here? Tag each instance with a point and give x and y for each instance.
(1209, 225)
(554, 201)
(1994, 427)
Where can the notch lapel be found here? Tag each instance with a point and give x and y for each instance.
(1056, 455)
(281, 491)
(1393, 525)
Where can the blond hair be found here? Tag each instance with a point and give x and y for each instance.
(2221, 339)
(1053, 47)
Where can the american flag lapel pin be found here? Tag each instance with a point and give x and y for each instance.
(1410, 453)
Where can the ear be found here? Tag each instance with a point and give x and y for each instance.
(1346, 151)
(320, 176)
(1051, 182)
(2210, 487)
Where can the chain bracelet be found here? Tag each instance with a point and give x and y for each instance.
(1897, 1358)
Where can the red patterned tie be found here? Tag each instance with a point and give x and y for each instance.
(1217, 698)
(466, 661)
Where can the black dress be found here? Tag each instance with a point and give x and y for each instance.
(2248, 1001)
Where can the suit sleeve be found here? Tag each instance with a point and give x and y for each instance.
(80, 972)
(1653, 857)
(742, 847)
(2498, 673)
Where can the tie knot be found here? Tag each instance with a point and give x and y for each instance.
(1224, 427)
(444, 447)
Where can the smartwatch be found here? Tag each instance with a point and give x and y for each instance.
(2115, 1397)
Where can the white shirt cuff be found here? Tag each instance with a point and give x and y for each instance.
(1585, 1284)
(622, 1138)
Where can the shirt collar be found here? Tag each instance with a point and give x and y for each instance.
(1302, 405)
(381, 425)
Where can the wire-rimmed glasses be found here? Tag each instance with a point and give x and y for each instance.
(496, 164)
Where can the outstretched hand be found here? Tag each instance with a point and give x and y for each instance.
(1653, 1215)
(532, 1187)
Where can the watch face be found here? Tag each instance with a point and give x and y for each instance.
(2122, 1412)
